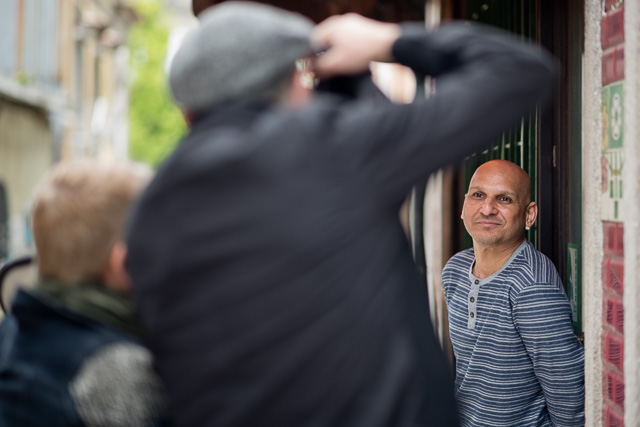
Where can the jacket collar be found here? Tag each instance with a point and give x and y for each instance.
(92, 299)
(239, 113)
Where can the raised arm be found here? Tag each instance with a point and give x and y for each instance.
(486, 81)
(352, 42)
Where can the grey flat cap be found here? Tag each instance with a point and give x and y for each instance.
(238, 48)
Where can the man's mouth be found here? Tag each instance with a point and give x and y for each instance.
(488, 222)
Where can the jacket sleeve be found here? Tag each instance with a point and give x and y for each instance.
(543, 318)
(486, 81)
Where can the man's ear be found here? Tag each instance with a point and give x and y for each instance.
(531, 214)
(116, 276)
(464, 199)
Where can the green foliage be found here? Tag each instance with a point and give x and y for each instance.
(155, 122)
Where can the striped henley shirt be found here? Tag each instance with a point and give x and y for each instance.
(518, 362)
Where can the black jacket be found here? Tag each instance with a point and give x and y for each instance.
(269, 265)
(53, 362)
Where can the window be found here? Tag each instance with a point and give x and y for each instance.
(29, 41)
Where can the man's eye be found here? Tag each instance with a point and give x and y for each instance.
(477, 195)
(505, 199)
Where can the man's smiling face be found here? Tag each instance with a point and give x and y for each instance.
(498, 206)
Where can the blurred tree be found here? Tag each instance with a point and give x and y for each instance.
(155, 122)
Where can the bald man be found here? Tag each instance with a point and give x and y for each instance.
(518, 362)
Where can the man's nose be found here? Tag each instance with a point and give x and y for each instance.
(488, 207)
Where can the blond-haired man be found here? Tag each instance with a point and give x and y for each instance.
(71, 353)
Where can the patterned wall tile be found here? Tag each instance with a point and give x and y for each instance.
(612, 152)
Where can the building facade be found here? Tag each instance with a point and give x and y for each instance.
(63, 94)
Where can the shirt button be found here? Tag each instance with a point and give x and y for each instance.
(477, 281)
(472, 315)
(472, 299)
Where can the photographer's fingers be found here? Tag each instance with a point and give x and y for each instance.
(352, 42)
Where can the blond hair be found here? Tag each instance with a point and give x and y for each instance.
(79, 213)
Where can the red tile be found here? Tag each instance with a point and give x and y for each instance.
(613, 388)
(613, 313)
(613, 274)
(612, 417)
(613, 66)
(609, 311)
(612, 29)
(613, 350)
(616, 275)
(620, 317)
(613, 233)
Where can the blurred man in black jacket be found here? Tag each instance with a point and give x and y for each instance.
(271, 272)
